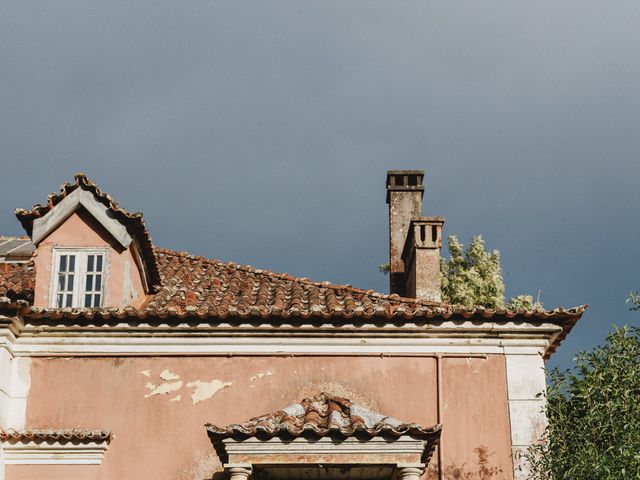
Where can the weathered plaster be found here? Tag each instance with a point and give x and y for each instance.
(475, 417)
(98, 393)
(205, 390)
(168, 376)
(163, 389)
(259, 375)
(81, 230)
(55, 472)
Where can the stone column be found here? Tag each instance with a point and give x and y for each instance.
(410, 473)
(238, 472)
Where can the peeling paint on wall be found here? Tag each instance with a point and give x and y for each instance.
(257, 376)
(163, 388)
(171, 383)
(205, 390)
(167, 376)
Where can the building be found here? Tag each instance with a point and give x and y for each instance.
(115, 354)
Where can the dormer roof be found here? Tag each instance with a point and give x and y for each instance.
(125, 227)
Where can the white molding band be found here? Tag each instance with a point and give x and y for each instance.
(54, 453)
(404, 445)
(208, 339)
(60, 345)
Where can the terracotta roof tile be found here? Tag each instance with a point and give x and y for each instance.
(323, 415)
(49, 435)
(17, 280)
(194, 286)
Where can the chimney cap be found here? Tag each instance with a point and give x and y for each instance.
(405, 181)
(424, 232)
(428, 220)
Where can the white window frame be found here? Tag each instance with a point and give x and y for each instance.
(80, 275)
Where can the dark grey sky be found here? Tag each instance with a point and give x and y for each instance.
(260, 132)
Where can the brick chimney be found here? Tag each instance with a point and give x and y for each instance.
(414, 240)
(421, 256)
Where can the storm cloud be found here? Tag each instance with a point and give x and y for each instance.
(260, 132)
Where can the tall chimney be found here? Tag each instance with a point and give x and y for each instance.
(404, 196)
(421, 256)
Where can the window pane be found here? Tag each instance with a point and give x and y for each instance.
(88, 291)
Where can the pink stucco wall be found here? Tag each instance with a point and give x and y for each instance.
(53, 472)
(160, 436)
(81, 230)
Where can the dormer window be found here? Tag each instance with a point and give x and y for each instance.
(78, 278)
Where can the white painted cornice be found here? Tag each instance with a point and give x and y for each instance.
(270, 345)
(447, 337)
(54, 453)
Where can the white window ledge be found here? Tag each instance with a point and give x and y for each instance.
(54, 447)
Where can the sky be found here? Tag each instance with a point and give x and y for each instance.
(260, 132)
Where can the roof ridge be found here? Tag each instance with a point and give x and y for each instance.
(302, 280)
(372, 293)
(67, 187)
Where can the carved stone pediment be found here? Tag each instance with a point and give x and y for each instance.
(324, 437)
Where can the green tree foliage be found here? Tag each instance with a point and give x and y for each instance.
(524, 302)
(473, 277)
(594, 415)
(634, 301)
